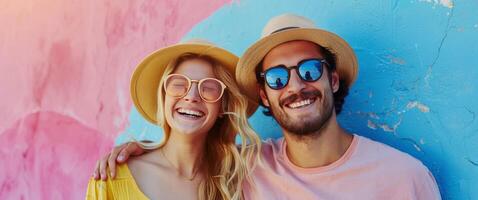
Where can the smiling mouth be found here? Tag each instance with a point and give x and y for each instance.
(193, 114)
(300, 104)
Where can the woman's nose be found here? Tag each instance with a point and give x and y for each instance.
(193, 93)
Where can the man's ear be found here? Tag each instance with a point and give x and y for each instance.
(335, 81)
(263, 96)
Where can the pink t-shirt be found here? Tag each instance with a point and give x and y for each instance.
(367, 170)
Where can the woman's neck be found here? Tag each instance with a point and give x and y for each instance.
(184, 153)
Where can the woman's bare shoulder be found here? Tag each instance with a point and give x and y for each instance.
(150, 162)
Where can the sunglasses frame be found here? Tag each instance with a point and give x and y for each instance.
(199, 82)
(296, 67)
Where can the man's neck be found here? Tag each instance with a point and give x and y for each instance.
(319, 149)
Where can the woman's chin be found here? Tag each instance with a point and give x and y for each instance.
(194, 133)
(187, 129)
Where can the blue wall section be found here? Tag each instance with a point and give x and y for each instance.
(416, 89)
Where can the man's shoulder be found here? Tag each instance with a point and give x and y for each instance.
(400, 168)
(389, 158)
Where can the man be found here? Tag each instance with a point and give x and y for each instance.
(302, 75)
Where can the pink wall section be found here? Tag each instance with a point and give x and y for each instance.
(64, 75)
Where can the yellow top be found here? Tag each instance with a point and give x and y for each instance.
(122, 187)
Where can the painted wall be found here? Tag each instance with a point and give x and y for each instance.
(65, 68)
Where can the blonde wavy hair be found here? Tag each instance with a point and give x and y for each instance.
(225, 165)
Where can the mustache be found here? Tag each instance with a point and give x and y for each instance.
(301, 95)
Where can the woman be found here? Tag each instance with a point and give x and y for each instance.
(189, 90)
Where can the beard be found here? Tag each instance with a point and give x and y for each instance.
(307, 126)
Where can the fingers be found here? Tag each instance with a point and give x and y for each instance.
(124, 153)
(136, 149)
(96, 172)
(131, 149)
(102, 164)
(112, 159)
(119, 154)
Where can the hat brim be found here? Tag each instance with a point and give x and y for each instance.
(147, 75)
(346, 61)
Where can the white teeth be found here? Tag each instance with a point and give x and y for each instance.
(300, 103)
(190, 112)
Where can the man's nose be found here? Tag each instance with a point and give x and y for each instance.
(296, 84)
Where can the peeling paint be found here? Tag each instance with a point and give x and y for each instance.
(428, 75)
(386, 128)
(396, 125)
(373, 115)
(415, 104)
(371, 125)
(445, 3)
(396, 60)
(415, 145)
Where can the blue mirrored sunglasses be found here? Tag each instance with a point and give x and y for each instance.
(309, 70)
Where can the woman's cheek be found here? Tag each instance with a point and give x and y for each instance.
(168, 110)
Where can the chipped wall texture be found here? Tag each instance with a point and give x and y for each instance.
(65, 68)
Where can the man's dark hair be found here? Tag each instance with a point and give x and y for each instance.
(339, 96)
